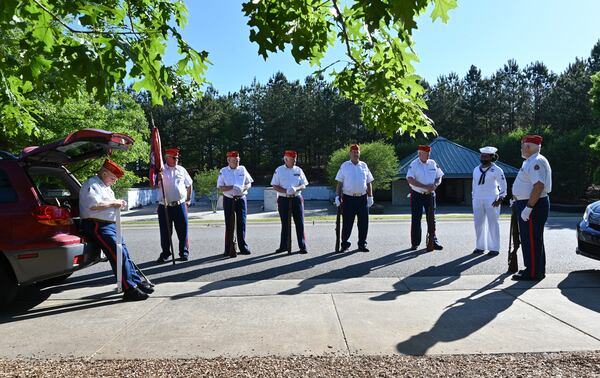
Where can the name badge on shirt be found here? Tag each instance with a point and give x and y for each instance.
(297, 174)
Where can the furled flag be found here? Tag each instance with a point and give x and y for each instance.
(156, 162)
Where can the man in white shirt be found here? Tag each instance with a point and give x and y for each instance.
(355, 194)
(489, 189)
(178, 193)
(234, 182)
(97, 210)
(530, 192)
(289, 181)
(423, 176)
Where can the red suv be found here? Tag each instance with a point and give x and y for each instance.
(39, 210)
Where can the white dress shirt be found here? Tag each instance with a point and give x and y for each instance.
(535, 169)
(93, 192)
(354, 177)
(234, 177)
(425, 173)
(176, 181)
(494, 185)
(288, 177)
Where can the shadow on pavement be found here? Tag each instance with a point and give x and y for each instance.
(356, 270)
(478, 309)
(582, 288)
(458, 265)
(24, 310)
(262, 275)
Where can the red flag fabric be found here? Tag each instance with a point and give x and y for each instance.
(156, 161)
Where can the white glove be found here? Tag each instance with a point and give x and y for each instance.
(370, 201)
(291, 191)
(511, 201)
(237, 190)
(337, 201)
(526, 213)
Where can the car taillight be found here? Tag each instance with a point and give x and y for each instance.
(78, 260)
(52, 215)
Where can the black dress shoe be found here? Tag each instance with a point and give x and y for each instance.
(526, 277)
(184, 258)
(414, 247)
(246, 252)
(493, 253)
(145, 287)
(437, 247)
(162, 259)
(303, 251)
(279, 250)
(134, 294)
(477, 251)
(363, 249)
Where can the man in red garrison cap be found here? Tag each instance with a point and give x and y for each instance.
(97, 209)
(289, 181)
(423, 176)
(355, 194)
(234, 182)
(530, 194)
(177, 184)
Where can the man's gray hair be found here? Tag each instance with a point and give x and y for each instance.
(534, 147)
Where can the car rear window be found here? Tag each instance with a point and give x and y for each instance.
(52, 185)
(7, 192)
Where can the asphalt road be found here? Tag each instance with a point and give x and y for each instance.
(389, 256)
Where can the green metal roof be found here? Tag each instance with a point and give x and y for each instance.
(455, 160)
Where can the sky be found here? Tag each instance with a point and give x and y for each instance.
(485, 33)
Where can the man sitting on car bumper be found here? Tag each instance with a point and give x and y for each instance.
(97, 208)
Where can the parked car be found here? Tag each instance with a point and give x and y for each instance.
(39, 210)
(588, 232)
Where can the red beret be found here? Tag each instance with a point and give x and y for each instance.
(535, 139)
(423, 147)
(290, 153)
(233, 154)
(114, 168)
(172, 152)
(354, 147)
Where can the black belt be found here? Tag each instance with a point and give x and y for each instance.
(174, 203)
(423, 194)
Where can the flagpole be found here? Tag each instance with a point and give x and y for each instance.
(119, 268)
(167, 219)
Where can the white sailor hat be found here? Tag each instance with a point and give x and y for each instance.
(488, 150)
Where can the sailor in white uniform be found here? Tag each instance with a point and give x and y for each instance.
(489, 189)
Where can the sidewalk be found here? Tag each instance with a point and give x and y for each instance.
(357, 316)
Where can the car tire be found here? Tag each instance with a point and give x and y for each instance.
(8, 284)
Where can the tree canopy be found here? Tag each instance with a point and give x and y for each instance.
(53, 46)
(62, 48)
